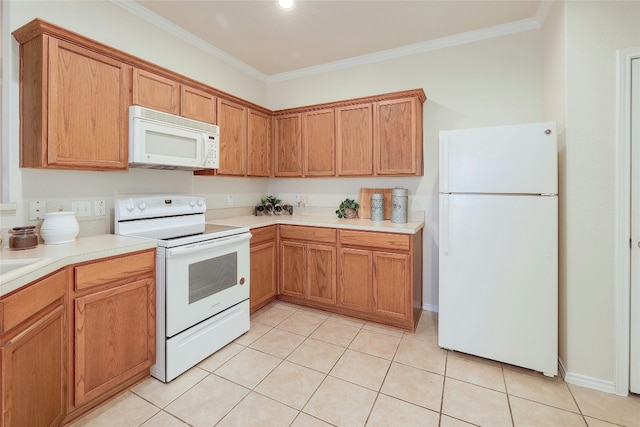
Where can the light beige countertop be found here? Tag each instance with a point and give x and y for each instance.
(253, 221)
(45, 259)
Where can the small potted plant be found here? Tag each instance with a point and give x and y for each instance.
(348, 209)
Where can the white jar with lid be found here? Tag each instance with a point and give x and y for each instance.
(377, 207)
(399, 205)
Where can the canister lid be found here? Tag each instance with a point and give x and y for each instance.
(399, 191)
(377, 196)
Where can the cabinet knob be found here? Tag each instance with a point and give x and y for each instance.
(242, 280)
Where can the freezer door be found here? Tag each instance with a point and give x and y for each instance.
(519, 159)
(498, 293)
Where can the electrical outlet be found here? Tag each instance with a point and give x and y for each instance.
(82, 208)
(37, 209)
(230, 199)
(100, 208)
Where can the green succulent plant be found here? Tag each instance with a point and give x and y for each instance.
(270, 199)
(346, 204)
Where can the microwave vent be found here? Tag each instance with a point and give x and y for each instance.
(159, 116)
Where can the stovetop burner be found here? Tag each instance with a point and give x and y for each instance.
(171, 220)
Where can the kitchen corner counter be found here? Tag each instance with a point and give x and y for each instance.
(53, 257)
(253, 221)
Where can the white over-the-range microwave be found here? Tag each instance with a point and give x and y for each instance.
(159, 140)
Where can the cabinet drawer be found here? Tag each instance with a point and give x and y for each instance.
(315, 234)
(26, 302)
(263, 234)
(372, 239)
(102, 272)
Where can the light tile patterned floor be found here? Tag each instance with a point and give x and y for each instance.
(300, 367)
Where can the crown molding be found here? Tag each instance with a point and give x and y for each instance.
(412, 49)
(168, 26)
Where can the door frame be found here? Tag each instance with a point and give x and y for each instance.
(622, 279)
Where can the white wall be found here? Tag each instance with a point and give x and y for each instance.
(593, 32)
(490, 82)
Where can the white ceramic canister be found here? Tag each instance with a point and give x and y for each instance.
(377, 207)
(399, 205)
(59, 227)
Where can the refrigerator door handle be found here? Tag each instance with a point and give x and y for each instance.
(446, 224)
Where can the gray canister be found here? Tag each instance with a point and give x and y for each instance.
(377, 207)
(399, 205)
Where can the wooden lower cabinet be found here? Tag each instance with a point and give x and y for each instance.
(34, 354)
(264, 267)
(308, 267)
(354, 290)
(113, 337)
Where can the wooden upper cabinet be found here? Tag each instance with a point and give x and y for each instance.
(232, 119)
(398, 137)
(197, 104)
(288, 145)
(259, 144)
(354, 135)
(73, 109)
(319, 144)
(157, 92)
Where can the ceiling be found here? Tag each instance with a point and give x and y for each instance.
(274, 41)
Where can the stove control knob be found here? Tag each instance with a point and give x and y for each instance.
(200, 202)
(130, 206)
(142, 206)
(192, 203)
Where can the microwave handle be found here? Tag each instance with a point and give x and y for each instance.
(203, 246)
(205, 138)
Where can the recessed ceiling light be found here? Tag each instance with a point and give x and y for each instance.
(286, 4)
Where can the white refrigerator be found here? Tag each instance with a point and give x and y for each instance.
(498, 244)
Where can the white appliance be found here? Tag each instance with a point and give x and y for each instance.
(498, 244)
(159, 140)
(202, 278)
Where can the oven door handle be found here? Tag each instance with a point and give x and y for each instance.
(203, 246)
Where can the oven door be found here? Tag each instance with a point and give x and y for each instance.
(203, 279)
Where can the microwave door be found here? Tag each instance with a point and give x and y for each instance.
(163, 145)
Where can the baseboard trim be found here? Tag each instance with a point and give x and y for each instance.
(585, 381)
(430, 307)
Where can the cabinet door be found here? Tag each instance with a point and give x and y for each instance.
(232, 119)
(263, 274)
(34, 372)
(354, 130)
(292, 268)
(115, 337)
(288, 145)
(355, 283)
(259, 145)
(197, 104)
(397, 149)
(156, 92)
(321, 273)
(392, 285)
(87, 109)
(318, 135)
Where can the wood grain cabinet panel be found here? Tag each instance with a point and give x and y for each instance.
(232, 119)
(288, 145)
(392, 285)
(114, 337)
(156, 92)
(321, 273)
(264, 259)
(354, 127)
(197, 104)
(398, 137)
(259, 144)
(73, 109)
(319, 146)
(292, 269)
(34, 354)
(354, 287)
